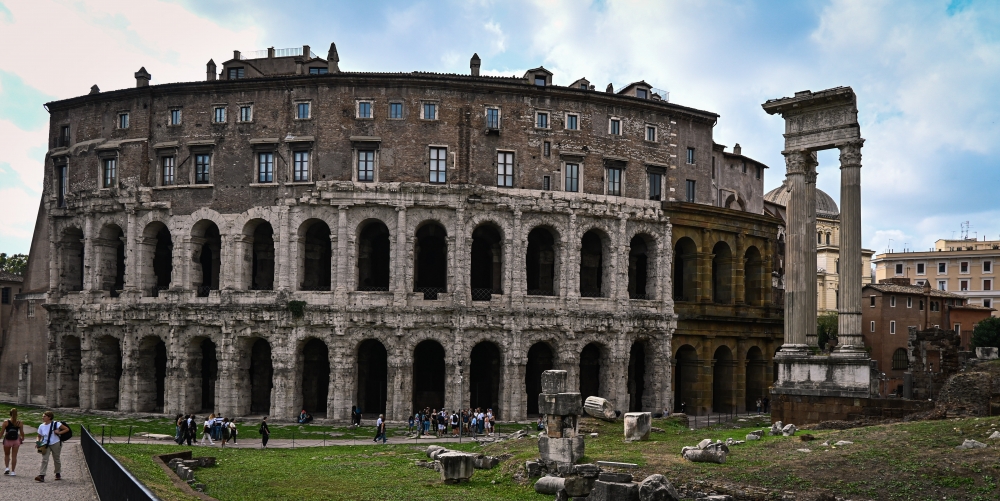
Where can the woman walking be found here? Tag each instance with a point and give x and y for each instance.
(232, 431)
(49, 444)
(13, 437)
(265, 433)
(226, 432)
(206, 431)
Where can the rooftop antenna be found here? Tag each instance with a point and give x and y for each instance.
(889, 246)
(965, 230)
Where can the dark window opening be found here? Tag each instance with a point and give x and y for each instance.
(72, 255)
(62, 185)
(316, 257)
(636, 382)
(638, 268)
(209, 375)
(655, 186)
(318, 71)
(261, 377)
(590, 371)
(262, 265)
(722, 274)
(484, 378)
(315, 377)
(430, 253)
(492, 118)
(202, 164)
(235, 73)
(900, 360)
(723, 381)
(366, 166)
(64, 135)
(108, 373)
(690, 192)
(208, 258)
(373, 377)
(395, 110)
(540, 359)
(541, 263)
(373, 257)
(614, 182)
(753, 277)
(487, 263)
(685, 270)
(428, 363)
(592, 265)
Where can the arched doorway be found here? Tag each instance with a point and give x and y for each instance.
(151, 374)
(428, 375)
(591, 362)
(484, 377)
(753, 278)
(207, 244)
(430, 255)
(261, 377)
(260, 276)
(723, 383)
(487, 263)
(315, 377)
(540, 359)
(70, 366)
(685, 270)
(686, 380)
(592, 283)
(639, 286)
(755, 377)
(638, 376)
(209, 375)
(373, 377)
(373, 257)
(540, 263)
(314, 256)
(722, 273)
(107, 377)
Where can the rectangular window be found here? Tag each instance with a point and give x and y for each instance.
(300, 167)
(109, 172)
(963, 285)
(246, 113)
(615, 127)
(942, 268)
(892, 327)
(819, 238)
(964, 267)
(758, 172)
(202, 165)
(572, 177)
(439, 165)
(909, 302)
(430, 111)
(988, 303)
(987, 285)
(690, 190)
(61, 185)
(395, 110)
(920, 269)
(505, 169)
(123, 120)
(744, 167)
(318, 71)
(366, 166)
(958, 329)
(942, 285)
(64, 135)
(899, 269)
(713, 167)
(540, 81)
(546, 183)
(650, 133)
(614, 181)
(265, 167)
(873, 326)
(168, 171)
(572, 122)
(220, 115)
(302, 111)
(921, 305)
(5, 295)
(640, 93)
(892, 301)
(175, 117)
(542, 120)
(364, 109)
(987, 267)
(546, 148)
(235, 73)
(655, 186)
(492, 118)
(690, 158)
(871, 300)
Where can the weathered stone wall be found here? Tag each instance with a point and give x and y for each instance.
(800, 409)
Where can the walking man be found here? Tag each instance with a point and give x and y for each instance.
(49, 433)
(265, 433)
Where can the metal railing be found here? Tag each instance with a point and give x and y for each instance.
(541, 292)
(636, 295)
(154, 291)
(203, 290)
(111, 480)
(431, 293)
(485, 294)
(591, 293)
(373, 288)
(261, 54)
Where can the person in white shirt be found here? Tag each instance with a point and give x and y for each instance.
(206, 432)
(49, 433)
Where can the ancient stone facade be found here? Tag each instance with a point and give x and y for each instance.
(319, 240)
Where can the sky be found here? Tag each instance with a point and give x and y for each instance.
(926, 73)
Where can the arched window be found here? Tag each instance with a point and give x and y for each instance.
(900, 360)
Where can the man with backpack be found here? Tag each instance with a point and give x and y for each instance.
(50, 438)
(265, 433)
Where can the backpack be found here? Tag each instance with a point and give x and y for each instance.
(12, 432)
(65, 436)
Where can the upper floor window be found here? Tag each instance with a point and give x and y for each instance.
(963, 285)
(614, 181)
(909, 302)
(942, 268)
(246, 113)
(641, 93)
(220, 115)
(572, 121)
(430, 111)
(655, 186)
(892, 301)
(963, 267)
(439, 164)
(987, 266)
(302, 111)
(900, 360)
(202, 168)
(988, 303)
(5, 295)
(300, 166)
(542, 120)
(62, 184)
(505, 169)
(546, 183)
(540, 80)
(395, 110)
(690, 190)
(892, 327)
(235, 73)
(64, 136)
(942, 285)
(651, 133)
(109, 172)
(265, 167)
(492, 118)
(169, 171)
(921, 269)
(318, 70)
(123, 120)
(175, 117)
(546, 149)
(827, 239)
(615, 127)
(872, 301)
(758, 172)
(364, 109)
(366, 166)
(899, 268)
(987, 285)
(572, 177)
(690, 157)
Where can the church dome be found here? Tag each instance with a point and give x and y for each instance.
(825, 206)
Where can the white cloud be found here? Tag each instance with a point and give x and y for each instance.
(499, 43)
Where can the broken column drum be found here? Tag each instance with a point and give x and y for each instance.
(561, 442)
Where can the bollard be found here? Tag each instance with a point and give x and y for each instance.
(128, 439)
(102, 435)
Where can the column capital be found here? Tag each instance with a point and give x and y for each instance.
(799, 161)
(850, 153)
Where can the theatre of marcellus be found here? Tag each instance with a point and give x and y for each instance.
(286, 235)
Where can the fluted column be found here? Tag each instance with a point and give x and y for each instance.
(849, 318)
(800, 298)
(812, 339)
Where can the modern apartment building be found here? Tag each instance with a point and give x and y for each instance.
(965, 267)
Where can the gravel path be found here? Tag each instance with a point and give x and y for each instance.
(76, 484)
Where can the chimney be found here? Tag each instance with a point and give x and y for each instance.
(332, 59)
(737, 150)
(474, 64)
(610, 89)
(142, 77)
(94, 89)
(305, 51)
(210, 70)
(236, 55)
(270, 52)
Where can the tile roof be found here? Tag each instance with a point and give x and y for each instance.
(6, 276)
(911, 289)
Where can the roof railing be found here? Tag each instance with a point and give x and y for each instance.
(262, 54)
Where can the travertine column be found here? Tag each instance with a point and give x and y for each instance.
(800, 284)
(812, 339)
(849, 318)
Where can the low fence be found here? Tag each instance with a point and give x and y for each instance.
(111, 480)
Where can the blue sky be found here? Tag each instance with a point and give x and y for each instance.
(927, 75)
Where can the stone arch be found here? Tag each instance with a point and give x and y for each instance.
(109, 249)
(593, 371)
(430, 259)
(753, 277)
(70, 366)
(206, 257)
(541, 358)
(151, 374)
(108, 372)
(723, 383)
(257, 252)
(373, 377)
(314, 358)
(755, 377)
(685, 270)
(722, 273)
(543, 262)
(641, 267)
(374, 256)
(486, 261)
(428, 375)
(594, 275)
(736, 202)
(314, 256)
(486, 377)
(157, 249)
(686, 368)
(71, 255)
(641, 366)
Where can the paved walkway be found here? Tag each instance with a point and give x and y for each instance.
(286, 443)
(76, 484)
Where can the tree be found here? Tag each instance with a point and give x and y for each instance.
(16, 264)
(986, 333)
(826, 328)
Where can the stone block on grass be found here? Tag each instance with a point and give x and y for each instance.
(637, 426)
(559, 404)
(614, 491)
(566, 451)
(456, 467)
(657, 488)
(554, 381)
(599, 408)
(549, 485)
